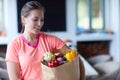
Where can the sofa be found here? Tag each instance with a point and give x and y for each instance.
(3, 69)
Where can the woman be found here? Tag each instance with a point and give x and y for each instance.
(25, 52)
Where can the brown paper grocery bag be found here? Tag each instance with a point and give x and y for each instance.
(67, 71)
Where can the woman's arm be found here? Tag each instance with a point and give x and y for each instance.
(13, 70)
(65, 49)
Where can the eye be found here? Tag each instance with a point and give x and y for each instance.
(42, 20)
(35, 19)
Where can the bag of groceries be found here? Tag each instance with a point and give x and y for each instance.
(61, 67)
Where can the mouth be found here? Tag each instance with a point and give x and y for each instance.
(37, 29)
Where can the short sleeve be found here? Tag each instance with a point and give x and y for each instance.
(12, 52)
(57, 42)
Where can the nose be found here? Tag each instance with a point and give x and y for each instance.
(40, 23)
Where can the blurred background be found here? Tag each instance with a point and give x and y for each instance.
(91, 26)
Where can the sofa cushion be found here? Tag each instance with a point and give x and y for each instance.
(107, 67)
(3, 74)
(99, 58)
(2, 63)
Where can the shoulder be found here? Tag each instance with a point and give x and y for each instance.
(48, 36)
(15, 42)
(52, 38)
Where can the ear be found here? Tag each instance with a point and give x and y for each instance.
(23, 19)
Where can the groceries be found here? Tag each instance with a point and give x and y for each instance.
(57, 66)
(55, 59)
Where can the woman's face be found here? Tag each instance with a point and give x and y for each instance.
(34, 21)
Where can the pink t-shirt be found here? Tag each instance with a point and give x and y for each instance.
(29, 56)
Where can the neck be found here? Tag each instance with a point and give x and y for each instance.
(30, 37)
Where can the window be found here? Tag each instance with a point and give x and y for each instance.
(90, 15)
(1, 25)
